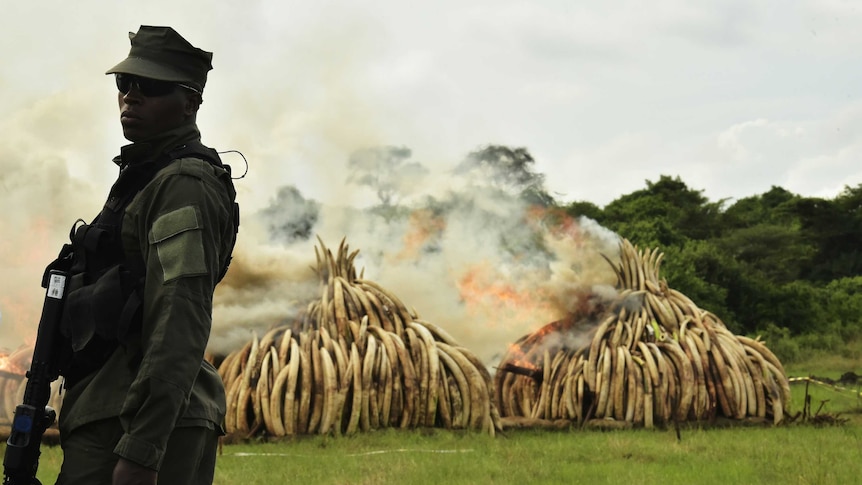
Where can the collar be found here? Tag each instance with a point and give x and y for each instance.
(150, 149)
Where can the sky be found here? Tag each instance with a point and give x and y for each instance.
(733, 97)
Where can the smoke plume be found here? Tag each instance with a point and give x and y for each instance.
(474, 259)
(472, 256)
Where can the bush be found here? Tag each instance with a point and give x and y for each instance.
(844, 303)
(781, 343)
(853, 350)
(821, 341)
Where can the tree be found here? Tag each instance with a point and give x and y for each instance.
(584, 208)
(666, 213)
(386, 171)
(290, 217)
(835, 227)
(697, 270)
(797, 306)
(773, 207)
(508, 169)
(844, 303)
(776, 252)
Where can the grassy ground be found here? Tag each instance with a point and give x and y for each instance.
(845, 401)
(815, 456)
(786, 455)
(791, 454)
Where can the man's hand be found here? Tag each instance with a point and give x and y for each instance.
(130, 473)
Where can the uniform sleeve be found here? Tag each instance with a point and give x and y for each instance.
(181, 223)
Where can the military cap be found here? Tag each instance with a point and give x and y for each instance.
(163, 54)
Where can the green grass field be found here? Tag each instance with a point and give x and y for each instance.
(792, 454)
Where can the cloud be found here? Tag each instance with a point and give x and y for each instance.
(812, 157)
(727, 24)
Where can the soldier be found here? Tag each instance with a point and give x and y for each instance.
(142, 405)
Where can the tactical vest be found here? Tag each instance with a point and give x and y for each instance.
(103, 307)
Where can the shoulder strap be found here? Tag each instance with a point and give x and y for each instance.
(134, 178)
(196, 149)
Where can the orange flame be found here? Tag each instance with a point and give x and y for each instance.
(20, 293)
(485, 291)
(556, 222)
(17, 362)
(423, 225)
(490, 297)
(517, 352)
(516, 355)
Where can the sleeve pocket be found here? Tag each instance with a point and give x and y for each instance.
(177, 237)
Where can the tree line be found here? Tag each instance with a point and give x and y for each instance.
(776, 263)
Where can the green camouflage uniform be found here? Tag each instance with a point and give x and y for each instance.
(181, 226)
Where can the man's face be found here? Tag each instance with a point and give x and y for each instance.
(143, 116)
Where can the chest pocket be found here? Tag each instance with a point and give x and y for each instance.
(178, 239)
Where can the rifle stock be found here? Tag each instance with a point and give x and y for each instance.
(34, 416)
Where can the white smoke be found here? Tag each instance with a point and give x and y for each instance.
(55, 152)
(519, 272)
(40, 200)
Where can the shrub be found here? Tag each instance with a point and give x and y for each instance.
(781, 343)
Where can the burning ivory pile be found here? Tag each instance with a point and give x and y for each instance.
(359, 360)
(12, 384)
(12, 381)
(655, 358)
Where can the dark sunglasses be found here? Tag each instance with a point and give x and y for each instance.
(146, 86)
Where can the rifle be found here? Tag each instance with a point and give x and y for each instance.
(34, 416)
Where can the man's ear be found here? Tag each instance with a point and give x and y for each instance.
(193, 103)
